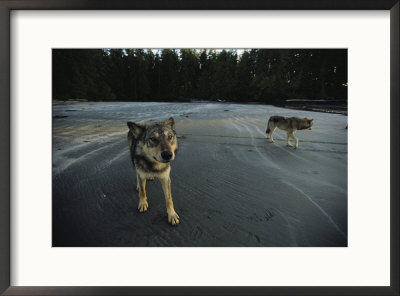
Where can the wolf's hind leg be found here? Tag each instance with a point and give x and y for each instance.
(143, 205)
(173, 217)
(271, 134)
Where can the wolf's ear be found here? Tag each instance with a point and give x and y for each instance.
(170, 122)
(136, 129)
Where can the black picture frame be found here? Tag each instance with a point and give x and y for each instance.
(7, 6)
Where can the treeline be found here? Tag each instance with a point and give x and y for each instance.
(262, 75)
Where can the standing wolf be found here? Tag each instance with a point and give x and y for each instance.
(153, 147)
(288, 124)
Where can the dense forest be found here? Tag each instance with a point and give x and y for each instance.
(256, 75)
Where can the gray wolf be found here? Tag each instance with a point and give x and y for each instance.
(288, 124)
(153, 147)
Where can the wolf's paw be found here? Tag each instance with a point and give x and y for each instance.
(173, 217)
(143, 205)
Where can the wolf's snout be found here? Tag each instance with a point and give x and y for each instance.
(166, 155)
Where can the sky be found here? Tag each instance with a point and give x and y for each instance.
(238, 50)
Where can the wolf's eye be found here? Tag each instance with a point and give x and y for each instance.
(153, 139)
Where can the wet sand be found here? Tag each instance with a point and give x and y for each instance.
(231, 187)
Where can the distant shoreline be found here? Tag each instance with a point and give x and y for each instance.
(322, 106)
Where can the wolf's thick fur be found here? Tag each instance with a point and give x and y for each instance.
(153, 147)
(288, 124)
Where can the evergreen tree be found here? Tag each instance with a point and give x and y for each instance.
(169, 74)
(189, 73)
(244, 77)
(204, 81)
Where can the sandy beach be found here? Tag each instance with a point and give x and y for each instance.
(231, 187)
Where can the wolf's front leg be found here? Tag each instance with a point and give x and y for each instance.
(137, 182)
(173, 217)
(143, 205)
(288, 140)
(296, 140)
